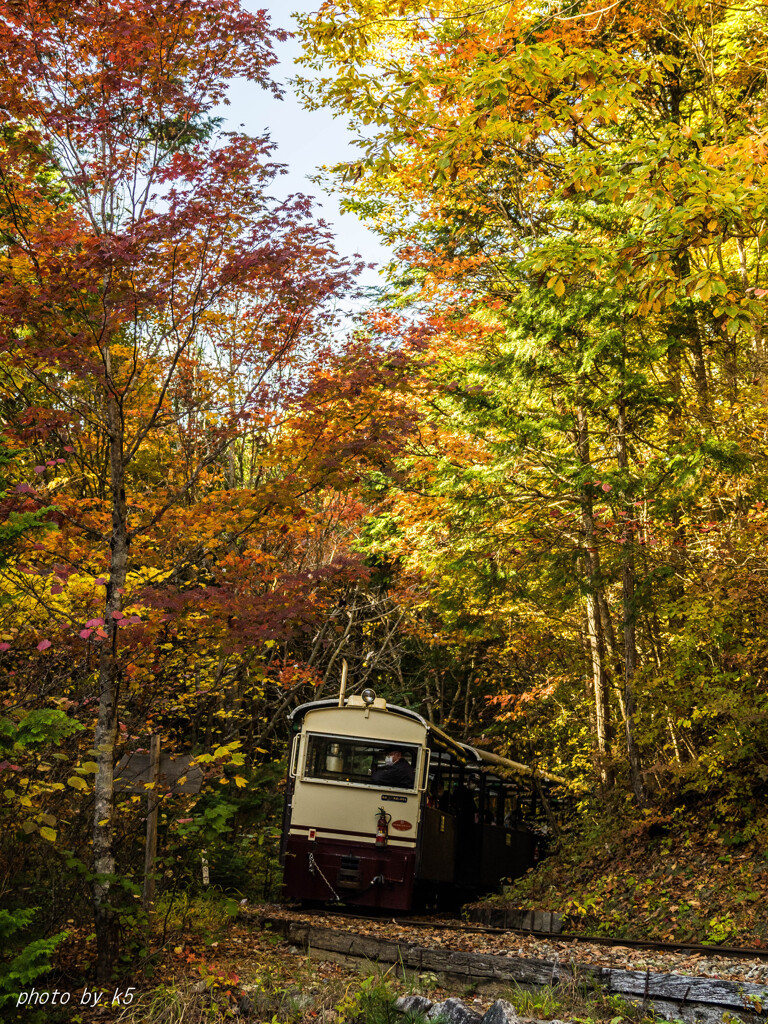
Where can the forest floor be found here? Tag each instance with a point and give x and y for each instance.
(213, 969)
(214, 963)
(219, 968)
(693, 885)
(249, 974)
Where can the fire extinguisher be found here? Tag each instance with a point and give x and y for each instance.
(382, 827)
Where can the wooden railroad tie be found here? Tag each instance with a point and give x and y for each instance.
(674, 995)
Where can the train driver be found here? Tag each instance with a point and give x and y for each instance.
(396, 771)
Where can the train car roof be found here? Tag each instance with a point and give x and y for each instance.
(333, 702)
(462, 751)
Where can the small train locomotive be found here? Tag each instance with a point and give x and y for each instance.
(384, 810)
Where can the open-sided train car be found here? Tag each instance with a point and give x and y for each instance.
(384, 809)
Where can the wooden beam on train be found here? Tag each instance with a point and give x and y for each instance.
(445, 742)
(519, 769)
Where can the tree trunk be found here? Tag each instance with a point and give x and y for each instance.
(630, 628)
(599, 687)
(594, 627)
(467, 696)
(106, 725)
(609, 636)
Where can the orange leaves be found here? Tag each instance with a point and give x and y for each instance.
(513, 705)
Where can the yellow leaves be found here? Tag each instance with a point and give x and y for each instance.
(120, 351)
(77, 783)
(240, 782)
(228, 752)
(89, 766)
(557, 284)
(48, 833)
(147, 575)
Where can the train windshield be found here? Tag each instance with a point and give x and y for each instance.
(361, 762)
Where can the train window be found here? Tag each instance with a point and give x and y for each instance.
(511, 808)
(360, 762)
(494, 801)
(438, 792)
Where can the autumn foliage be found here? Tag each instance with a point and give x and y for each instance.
(575, 197)
(526, 494)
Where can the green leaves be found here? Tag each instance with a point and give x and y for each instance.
(581, 221)
(22, 962)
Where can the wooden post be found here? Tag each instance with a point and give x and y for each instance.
(153, 803)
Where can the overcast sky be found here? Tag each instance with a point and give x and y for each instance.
(305, 140)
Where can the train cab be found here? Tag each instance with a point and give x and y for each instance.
(352, 822)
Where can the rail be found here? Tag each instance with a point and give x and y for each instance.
(696, 998)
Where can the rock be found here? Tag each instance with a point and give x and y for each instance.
(413, 1004)
(501, 1012)
(455, 1012)
(300, 1001)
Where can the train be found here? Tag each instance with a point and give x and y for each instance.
(384, 810)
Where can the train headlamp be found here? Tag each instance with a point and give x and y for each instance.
(368, 696)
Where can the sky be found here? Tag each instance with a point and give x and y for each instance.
(306, 140)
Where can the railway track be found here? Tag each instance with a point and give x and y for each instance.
(412, 948)
(731, 952)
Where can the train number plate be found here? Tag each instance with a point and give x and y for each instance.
(395, 799)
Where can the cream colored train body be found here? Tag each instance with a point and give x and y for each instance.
(341, 804)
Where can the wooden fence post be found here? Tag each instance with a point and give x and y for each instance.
(153, 804)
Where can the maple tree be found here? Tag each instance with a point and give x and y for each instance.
(157, 305)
